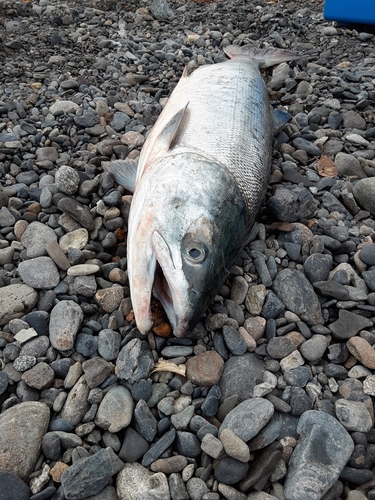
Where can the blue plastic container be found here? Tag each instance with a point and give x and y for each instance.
(350, 11)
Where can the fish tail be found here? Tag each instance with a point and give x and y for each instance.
(264, 57)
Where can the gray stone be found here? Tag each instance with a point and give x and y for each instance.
(40, 272)
(348, 165)
(116, 409)
(22, 428)
(135, 361)
(161, 10)
(348, 325)
(109, 342)
(292, 204)
(36, 238)
(67, 180)
(317, 267)
(88, 476)
(76, 404)
(353, 415)
(320, 455)
(314, 348)
(240, 375)
(16, 301)
(298, 295)
(248, 418)
(65, 320)
(136, 482)
(7, 219)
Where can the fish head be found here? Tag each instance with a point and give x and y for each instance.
(186, 227)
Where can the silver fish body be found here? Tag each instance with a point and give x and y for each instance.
(201, 178)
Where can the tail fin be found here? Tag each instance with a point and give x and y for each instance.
(265, 57)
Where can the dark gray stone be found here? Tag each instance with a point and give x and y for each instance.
(280, 347)
(319, 457)
(187, 444)
(234, 341)
(159, 447)
(291, 204)
(317, 267)
(272, 306)
(12, 487)
(134, 446)
(230, 470)
(87, 476)
(298, 295)
(145, 420)
(240, 375)
(348, 325)
(135, 361)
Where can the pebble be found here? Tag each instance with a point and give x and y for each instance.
(205, 369)
(307, 474)
(353, 415)
(65, 320)
(248, 418)
(21, 452)
(292, 325)
(298, 295)
(134, 479)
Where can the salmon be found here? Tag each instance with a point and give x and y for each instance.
(199, 184)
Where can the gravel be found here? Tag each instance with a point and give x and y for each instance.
(270, 397)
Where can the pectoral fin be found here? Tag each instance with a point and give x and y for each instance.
(123, 171)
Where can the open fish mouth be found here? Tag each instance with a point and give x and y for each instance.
(169, 286)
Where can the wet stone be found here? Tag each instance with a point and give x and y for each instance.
(145, 420)
(159, 447)
(134, 446)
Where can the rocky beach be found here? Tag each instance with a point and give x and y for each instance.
(271, 396)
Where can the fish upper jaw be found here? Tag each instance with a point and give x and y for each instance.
(170, 285)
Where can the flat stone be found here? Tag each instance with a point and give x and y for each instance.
(12, 487)
(362, 350)
(310, 474)
(36, 238)
(169, 465)
(298, 295)
(39, 377)
(205, 369)
(159, 447)
(353, 415)
(240, 375)
(348, 325)
(248, 418)
(75, 239)
(116, 409)
(16, 301)
(79, 212)
(65, 320)
(76, 404)
(230, 471)
(135, 481)
(314, 348)
(234, 446)
(135, 361)
(146, 422)
(88, 476)
(40, 272)
(110, 298)
(19, 450)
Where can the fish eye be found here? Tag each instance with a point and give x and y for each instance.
(195, 252)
